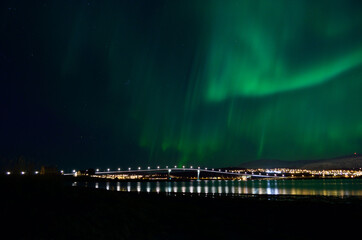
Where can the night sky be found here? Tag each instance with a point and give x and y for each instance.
(193, 82)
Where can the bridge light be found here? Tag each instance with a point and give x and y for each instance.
(198, 167)
(139, 168)
(74, 170)
(119, 169)
(8, 173)
(166, 166)
(183, 166)
(36, 172)
(97, 170)
(61, 171)
(22, 173)
(108, 169)
(175, 166)
(129, 169)
(148, 167)
(190, 166)
(158, 167)
(206, 168)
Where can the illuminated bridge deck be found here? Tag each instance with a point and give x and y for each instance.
(182, 173)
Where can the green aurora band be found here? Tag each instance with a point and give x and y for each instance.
(209, 83)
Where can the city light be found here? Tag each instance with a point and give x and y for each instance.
(227, 173)
(8, 173)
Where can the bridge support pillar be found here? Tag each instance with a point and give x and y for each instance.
(168, 174)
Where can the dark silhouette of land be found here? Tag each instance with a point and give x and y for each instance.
(43, 207)
(353, 161)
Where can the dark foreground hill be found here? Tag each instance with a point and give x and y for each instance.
(44, 208)
(345, 162)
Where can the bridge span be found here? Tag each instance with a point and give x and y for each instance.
(183, 173)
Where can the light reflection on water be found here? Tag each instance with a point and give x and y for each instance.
(324, 187)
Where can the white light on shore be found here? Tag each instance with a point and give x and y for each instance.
(8, 173)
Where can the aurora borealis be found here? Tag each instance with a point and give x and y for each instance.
(209, 83)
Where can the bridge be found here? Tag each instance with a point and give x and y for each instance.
(180, 173)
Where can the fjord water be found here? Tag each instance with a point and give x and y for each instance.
(316, 187)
